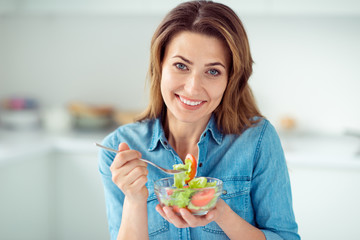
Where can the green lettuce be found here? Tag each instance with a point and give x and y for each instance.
(181, 197)
(180, 178)
(199, 182)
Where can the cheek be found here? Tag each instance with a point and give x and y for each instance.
(169, 82)
(166, 84)
(163, 89)
(218, 91)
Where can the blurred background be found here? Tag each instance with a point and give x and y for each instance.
(72, 71)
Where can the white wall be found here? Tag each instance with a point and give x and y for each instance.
(306, 65)
(98, 59)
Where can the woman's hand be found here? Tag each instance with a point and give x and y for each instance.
(130, 174)
(187, 219)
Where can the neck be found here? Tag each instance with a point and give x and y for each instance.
(184, 136)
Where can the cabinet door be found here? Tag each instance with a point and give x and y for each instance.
(24, 198)
(326, 202)
(78, 202)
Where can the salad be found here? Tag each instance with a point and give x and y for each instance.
(197, 194)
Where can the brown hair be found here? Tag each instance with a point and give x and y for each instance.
(237, 109)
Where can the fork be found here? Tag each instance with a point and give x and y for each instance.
(168, 171)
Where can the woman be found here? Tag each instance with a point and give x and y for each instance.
(201, 104)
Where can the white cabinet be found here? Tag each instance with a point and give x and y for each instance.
(325, 178)
(326, 202)
(51, 194)
(24, 198)
(79, 205)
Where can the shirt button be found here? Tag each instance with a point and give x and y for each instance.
(165, 143)
(200, 164)
(204, 134)
(224, 192)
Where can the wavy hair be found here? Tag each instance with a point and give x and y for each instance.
(237, 109)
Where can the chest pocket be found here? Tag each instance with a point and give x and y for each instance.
(236, 193)
(156, 223)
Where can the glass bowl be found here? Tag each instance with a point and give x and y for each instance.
(199, 201)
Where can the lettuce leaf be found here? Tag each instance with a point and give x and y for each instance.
(199, 182)
(181, 197)
(180, 178)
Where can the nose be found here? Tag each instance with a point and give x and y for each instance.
(193, 84)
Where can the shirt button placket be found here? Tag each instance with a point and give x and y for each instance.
(202, 152)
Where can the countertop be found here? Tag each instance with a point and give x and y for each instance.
(16, 145)
(306, 150)
(322, 150)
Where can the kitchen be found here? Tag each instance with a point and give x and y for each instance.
(60, 61)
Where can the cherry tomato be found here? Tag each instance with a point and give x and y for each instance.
(203, 198)
(169, 191)
(193, 167)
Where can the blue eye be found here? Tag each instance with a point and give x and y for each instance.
(181, 66)
(214, 72)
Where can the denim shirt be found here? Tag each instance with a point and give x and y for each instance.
(251, 165)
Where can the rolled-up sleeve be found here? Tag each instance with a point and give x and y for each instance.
(271, 190)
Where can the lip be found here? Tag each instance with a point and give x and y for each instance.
(189, 107)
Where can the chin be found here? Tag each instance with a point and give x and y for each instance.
(190, 117)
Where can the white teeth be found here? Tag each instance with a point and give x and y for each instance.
(189, 102)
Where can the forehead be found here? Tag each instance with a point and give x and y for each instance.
(196, 44)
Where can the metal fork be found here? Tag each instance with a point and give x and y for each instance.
(168, 171)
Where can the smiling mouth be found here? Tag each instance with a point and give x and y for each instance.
(188, 102)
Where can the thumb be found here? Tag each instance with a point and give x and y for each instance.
(123, 146)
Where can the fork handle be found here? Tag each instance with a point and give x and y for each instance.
(169, 171)
(109, 149)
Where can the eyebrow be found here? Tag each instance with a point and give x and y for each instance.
(207, 65)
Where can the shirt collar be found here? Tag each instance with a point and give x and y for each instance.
(158, 134)
(215, 132)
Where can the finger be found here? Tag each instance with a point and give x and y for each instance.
(120, 174)
(159, 209)
(128, 174)
(193, 221)
(138, 177)
(123, 146)
(216, 211)
(131, 165)
(210, 216)
(174, 219)
(123, 157)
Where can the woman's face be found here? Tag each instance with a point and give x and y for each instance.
(194, 76)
